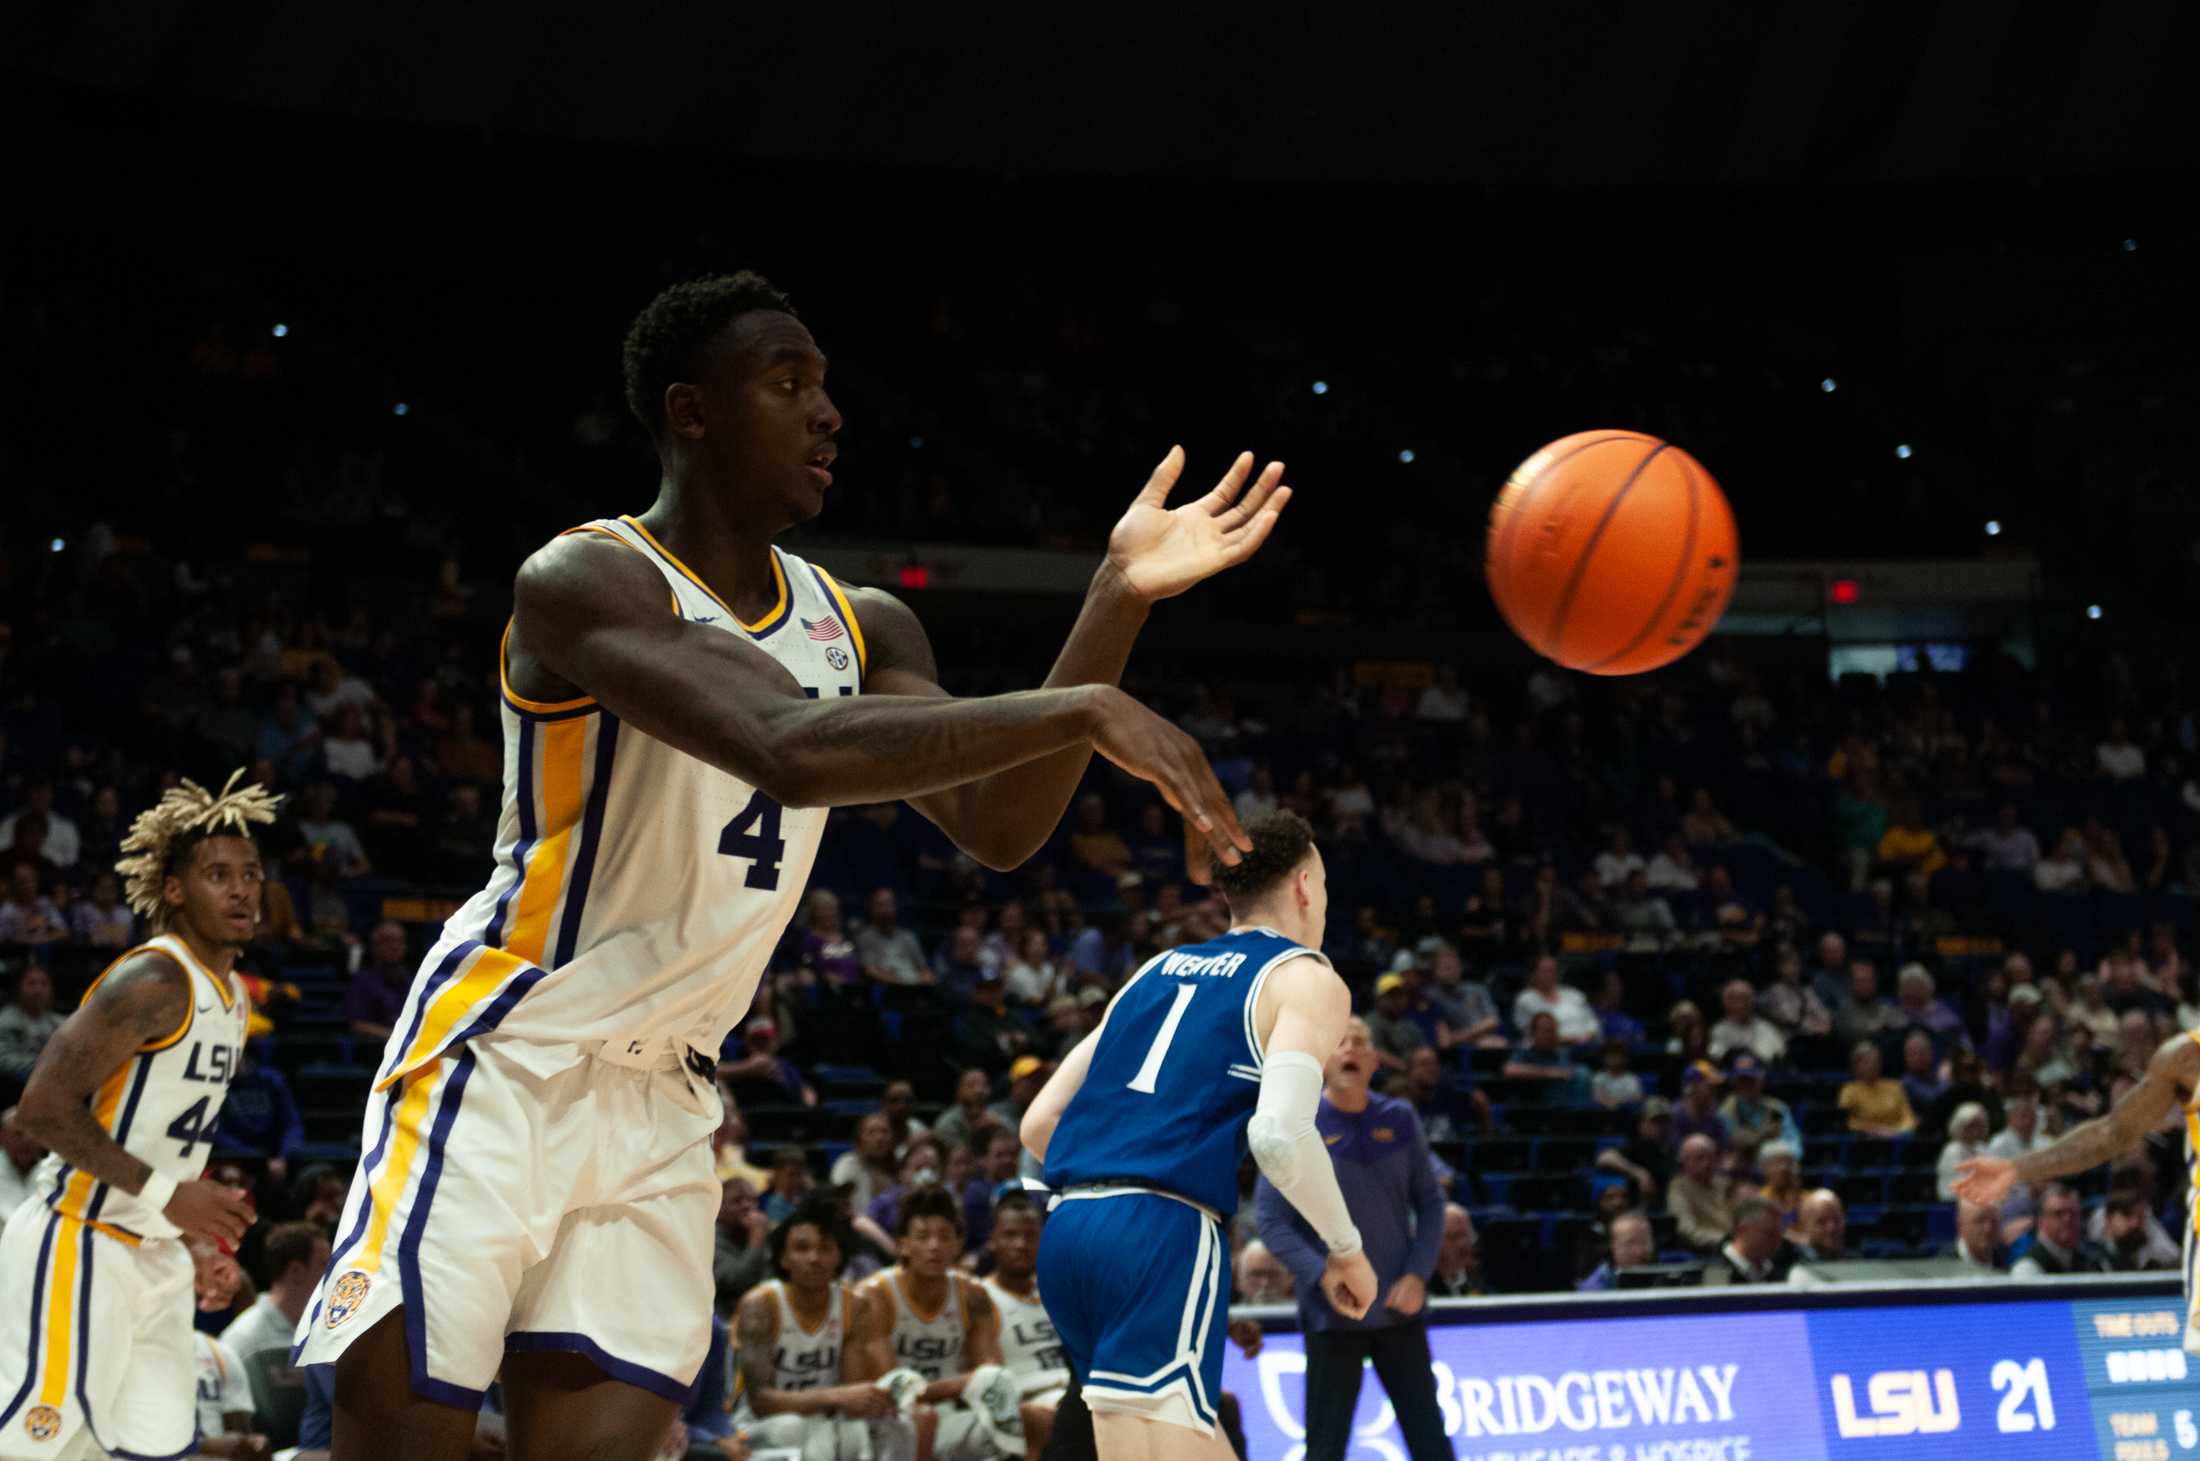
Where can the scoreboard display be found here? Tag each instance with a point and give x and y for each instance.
(2036, 1376)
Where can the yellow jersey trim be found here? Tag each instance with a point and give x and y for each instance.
(521, 702)
(779, 580)
(847, 611)
(187, 963)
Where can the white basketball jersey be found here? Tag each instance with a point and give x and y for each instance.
(223, 1389)
(807, 1359)
(160, 1105)
(932, 1347)
(638, 892)
(1029, 1345)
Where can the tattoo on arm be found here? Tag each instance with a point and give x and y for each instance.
(144, 1000)
(755, 1333)
(1003, 818)
(2166, 1085)
(985, 1326)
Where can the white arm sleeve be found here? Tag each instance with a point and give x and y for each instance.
(1290, 1151)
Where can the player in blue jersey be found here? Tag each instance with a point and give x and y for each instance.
(1208, 1049)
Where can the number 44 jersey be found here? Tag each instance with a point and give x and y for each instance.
(1175, 1074)
(637, 892)
(161, 1104)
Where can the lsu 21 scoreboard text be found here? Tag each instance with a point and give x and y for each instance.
(2051, 1379)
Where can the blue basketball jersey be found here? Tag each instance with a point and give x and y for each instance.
(1175, 1075)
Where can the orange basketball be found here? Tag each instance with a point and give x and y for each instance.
(1612, 552)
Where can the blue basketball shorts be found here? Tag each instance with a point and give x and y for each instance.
(1137, 1285)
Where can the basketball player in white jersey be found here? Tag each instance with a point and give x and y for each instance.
(1031, 1350)
(2171, 1084)
(225, 1404)
(125, 1097)
(790, 1337)
(682, 703)
(925, 1315)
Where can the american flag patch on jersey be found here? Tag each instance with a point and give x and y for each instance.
(822, 629)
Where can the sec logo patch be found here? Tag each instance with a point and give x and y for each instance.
(43, 1422)
(344, 1299)
(837, 657)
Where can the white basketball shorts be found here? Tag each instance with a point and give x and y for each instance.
(520, 1196)
(95, 1342)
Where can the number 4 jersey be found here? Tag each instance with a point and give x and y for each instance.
(1175, 1075)
(161, 1104)
(637, 892)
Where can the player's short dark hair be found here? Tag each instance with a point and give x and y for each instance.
(1281, 840)
(665, 340)
(928, 1200)
(289, 1243)
(820, 1212)
(1015, 1201)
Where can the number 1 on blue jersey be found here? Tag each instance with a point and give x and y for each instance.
(1150, 1072)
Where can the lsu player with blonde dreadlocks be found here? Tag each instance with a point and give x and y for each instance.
(96, 1280)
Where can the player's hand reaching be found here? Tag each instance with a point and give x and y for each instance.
(1151, 749)
(210, 1210)
(1161, 552)
(1348, 1282)
(1985, 1180)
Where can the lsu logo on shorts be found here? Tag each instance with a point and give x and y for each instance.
(346, 1297)
(43, 1422)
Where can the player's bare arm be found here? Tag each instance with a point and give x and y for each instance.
(756, 1332)
(1304, 1009)
(2168, 1084)
(589, 617)
(144, 1000)
(1154, 553)
(1036, 1130)
(869, 1350)
(981, 1342)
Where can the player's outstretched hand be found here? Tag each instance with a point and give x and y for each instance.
(1985, 1180)
(1348, 1282)
(1160, 553)
(1151, 749)
(210, 1210)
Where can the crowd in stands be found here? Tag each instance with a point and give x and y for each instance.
(1727, 965)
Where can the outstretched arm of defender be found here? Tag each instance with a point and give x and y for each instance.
(1154, 553)
(592, 614)
(1310, 1009)
(144, 1000)
(2168, 1084)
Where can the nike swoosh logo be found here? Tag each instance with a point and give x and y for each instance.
(206, 1009)
(706, 618)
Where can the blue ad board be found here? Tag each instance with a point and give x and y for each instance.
(2027, 1379)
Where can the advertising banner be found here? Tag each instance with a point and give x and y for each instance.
(2052, 1378)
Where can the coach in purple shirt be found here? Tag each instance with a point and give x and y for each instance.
(1390, 1187)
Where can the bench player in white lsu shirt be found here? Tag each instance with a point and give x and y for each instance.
(790, 1335)
(125, 1097)
(1031, 1350)
(926, 1321)
(680, 709)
